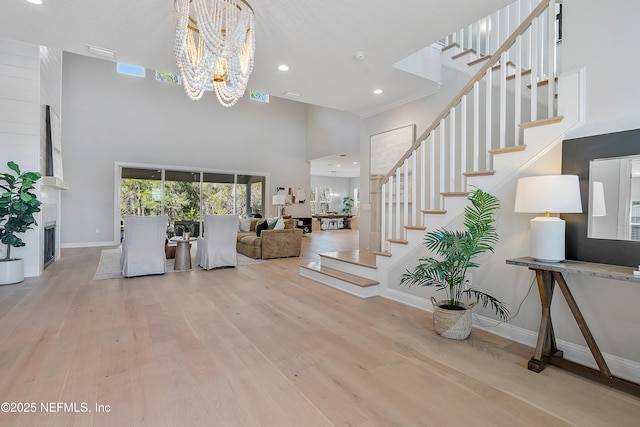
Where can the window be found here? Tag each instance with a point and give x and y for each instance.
(131, 70)
(634, 225)
(320, 200)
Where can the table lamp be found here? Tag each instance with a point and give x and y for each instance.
(279, 200)
(549, 194)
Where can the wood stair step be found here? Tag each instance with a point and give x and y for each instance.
(541, 122)
(543, 82)
(398, 241)
(434, 211)
(415, 227)
(479, 173)
(497, 66)
(341, 275)
(463, 53)
(479, 60)
(355, 257)
(507, 150)
(451, 46)
(523, 73)
(455, 194)
(385, 253)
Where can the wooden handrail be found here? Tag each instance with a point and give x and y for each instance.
(544, 4)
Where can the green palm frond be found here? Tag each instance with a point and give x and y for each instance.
(456, 251)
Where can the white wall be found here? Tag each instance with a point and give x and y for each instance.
(603, 38)
(331, 132)
(110, 117)
(20, 121)
(611, 105)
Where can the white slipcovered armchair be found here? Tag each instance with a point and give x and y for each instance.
(143, 245)
(217, 247)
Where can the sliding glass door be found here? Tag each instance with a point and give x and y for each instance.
(186, 196)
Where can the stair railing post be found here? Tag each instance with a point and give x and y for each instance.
(376, 199)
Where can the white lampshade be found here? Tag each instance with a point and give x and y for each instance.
(278, 199)
(598, 207)
(549, 194)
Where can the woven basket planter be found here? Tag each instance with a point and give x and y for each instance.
(454, 324)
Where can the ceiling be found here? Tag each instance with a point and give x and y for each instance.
(318, 40)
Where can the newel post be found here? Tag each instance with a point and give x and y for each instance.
(375, 200)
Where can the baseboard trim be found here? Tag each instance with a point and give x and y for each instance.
(86, 245)
(620, 367)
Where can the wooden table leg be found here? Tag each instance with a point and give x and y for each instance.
(546, 344)
(582, 324)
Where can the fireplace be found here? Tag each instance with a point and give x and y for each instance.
(49, 252)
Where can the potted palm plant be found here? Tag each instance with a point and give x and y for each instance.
(18, 203)
(457, 251)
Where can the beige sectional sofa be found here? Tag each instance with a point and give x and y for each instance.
(271, 243)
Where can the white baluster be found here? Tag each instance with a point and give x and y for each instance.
(476, 126)
(405, 193)
(414, 189)
(390, 207)
(398, 205)
(551, 54)
(518, 91)
(503, 100)
(442, 149)
(534, 70)
(383, 217)
(488, 143)
(432, 169)
(463, 134)
(423, 177)
(452, 149)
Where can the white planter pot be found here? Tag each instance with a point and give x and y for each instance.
(11, 271)
(453, 324)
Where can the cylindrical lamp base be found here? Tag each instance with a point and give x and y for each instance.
(547, 239)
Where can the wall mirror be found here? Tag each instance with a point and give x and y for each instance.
(614, 242)
(614, 198)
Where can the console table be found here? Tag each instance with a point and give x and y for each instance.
(334, 221)
(546, 352)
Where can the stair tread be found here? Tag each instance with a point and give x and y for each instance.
(398, 241)
(508, 149)
(415, 227)
(434, 211)
(463, 53)
(362, 282)
(385, 253)
(451, 46)
(542, 122)
(455, 194)
(480, 173)
(355, 257)
(543, 82)
(479, 60)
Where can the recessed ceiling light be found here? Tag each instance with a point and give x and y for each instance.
(355, 163)
(283, 67)
(291, 94)
(337, 166)
(35, 1)
(377, 91)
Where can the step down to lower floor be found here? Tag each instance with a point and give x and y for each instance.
(350, 283)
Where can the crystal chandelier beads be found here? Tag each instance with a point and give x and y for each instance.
(214, 47)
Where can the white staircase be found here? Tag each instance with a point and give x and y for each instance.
(494, 128)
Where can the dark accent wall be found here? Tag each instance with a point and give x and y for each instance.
(576, 155)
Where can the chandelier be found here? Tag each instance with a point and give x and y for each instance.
(214, 47)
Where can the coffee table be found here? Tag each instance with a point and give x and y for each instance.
(183, 253)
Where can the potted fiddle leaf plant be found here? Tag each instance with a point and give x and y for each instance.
(456, 251)
(18, 203)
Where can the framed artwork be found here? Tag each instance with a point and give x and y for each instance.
(54, 144)
(388, 147)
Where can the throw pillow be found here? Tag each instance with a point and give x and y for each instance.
(262, 226)
(279, 224)
(272, 223)
(245, 224)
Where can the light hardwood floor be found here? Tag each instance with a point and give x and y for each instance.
(259, 345)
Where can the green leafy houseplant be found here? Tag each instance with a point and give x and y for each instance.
(457, 251)
(348, 204)
(18, 203)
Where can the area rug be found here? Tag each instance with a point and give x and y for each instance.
(109, 265)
